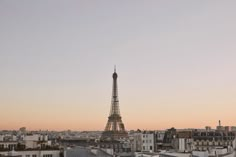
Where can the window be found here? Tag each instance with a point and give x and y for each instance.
(34, 155)
(150, 147)
(27, 155)
(143, 147)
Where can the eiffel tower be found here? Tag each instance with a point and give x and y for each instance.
(115, 129)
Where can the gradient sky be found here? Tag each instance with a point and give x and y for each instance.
(176, 63)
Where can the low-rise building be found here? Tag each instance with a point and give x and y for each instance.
(159, 137)
(136, 141)
(36, 141)
(183, 141)
(204, 140)
(32, 153)
(148, 141)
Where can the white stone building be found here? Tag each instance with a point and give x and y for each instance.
(148, 141)
(32, 153)
(36, 141)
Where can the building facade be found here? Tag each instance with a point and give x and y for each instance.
(148, 141)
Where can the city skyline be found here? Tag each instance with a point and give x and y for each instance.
(175, 60)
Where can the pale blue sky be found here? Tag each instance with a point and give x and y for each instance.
(175, 61)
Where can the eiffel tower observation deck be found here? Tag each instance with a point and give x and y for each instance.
(115, 129)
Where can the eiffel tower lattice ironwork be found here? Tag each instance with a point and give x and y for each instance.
(115, 128)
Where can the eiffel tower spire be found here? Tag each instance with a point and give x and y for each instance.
(115, 128)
